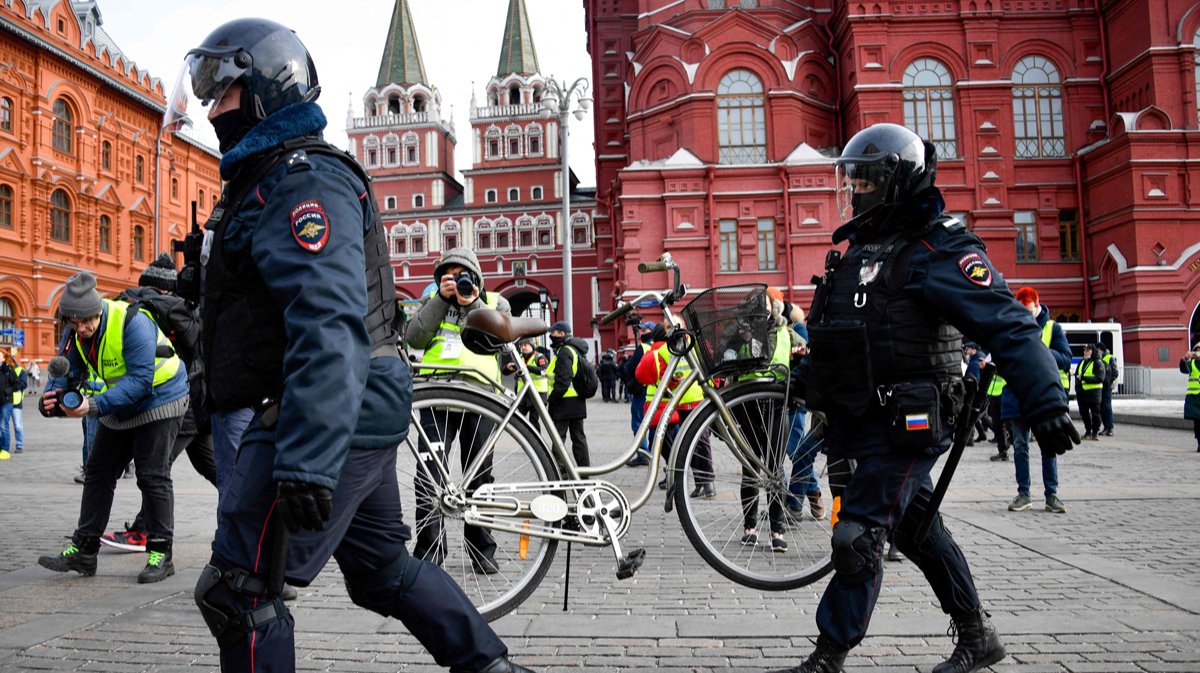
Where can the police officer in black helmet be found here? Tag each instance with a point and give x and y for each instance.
(298, 296)
(885, 333)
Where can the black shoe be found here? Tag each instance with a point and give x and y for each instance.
(825, 659)
(501, 665)
(705, 491)
(158, 562)
(662, 485)
(71, 558)
(484, 564)
(639, 460)
(978, 645)
(894, 554)
(289, 593)
(1106, 433)
(1000, 456)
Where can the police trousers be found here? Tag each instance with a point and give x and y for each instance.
(366, 535)
(879, 495)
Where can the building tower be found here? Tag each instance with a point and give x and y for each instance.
(404, 141)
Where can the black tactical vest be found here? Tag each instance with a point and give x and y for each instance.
(868, 332)
(243, 333)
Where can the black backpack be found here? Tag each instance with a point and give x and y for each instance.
(587, 381)
(172, 315)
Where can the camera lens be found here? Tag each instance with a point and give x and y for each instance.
(464, 285)
(71, 399)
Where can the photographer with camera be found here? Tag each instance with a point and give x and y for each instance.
(140, 410)
(437, 329)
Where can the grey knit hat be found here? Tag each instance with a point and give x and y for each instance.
(160, 274)
(80, 298)
(464, 257)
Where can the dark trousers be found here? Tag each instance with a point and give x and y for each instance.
(1196, 430)
(149, 446)
(702, 465)
(763, 429)
(579, 445)
(472, 433)
(608, 389)
(1089, 411)
(200, 452)
(366, 535)
(998, 426)
(1106, 417)
(878, 496)
(527, 407)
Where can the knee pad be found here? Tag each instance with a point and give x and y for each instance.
(857, 550)
(380, 591)
(224, 598)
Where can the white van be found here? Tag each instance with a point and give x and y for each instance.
(1107, 333)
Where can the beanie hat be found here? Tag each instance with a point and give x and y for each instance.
(464, 257)
(561, 326)
(80, 298)
(160, 274)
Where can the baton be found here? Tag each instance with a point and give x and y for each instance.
(279, 553)
(973, 403)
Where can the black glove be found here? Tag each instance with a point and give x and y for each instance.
(1056, 435)
(303, 505)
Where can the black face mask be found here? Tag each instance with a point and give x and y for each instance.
(557, 341)
(647, 337)
(231, 127)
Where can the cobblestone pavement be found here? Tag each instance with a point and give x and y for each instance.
(1107, 587)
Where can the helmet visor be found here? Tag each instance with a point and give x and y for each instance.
(862, 184)
(203, 80)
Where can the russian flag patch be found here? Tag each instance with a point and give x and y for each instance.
(916, 422)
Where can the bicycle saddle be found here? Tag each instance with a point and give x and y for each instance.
(487, 330)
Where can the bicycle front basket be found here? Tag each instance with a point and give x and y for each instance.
(732, 325)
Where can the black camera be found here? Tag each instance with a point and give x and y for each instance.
(633, 319)
(464, 284)
(66, 390)
(67, 399)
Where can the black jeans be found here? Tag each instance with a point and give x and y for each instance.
(472, 432)
(1089, 411)
(1106, 417)
(579, 445)
(200, 452)
(149, 446)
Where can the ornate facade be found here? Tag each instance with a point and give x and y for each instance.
(1066, 131)
(86, 179)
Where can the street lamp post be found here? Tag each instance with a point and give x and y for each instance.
(556, 102)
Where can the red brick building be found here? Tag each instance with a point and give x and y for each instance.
(508, 207)
(1067, 133)
(86, 180)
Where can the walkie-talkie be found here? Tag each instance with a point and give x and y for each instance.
(187, 285)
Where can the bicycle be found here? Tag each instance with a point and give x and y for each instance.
(524, 489)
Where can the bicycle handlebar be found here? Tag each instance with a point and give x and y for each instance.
(651, 267)
(617, 313)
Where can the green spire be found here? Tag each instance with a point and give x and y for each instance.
(517, 54)
(401, 62)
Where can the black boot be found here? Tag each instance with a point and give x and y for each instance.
(978, 645)
(72, 558)
(158, 561)
(503, 665)
(827, 658)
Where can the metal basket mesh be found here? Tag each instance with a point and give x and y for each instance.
(732, 325)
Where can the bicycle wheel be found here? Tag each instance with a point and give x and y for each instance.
(497, 569)
(737, 499)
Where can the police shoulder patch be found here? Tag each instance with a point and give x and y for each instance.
(310, 225)
(975, 269)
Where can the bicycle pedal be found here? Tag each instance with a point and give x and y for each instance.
(629, 565)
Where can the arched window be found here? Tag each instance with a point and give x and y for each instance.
(545, 232)
(104, 234)
(60, 216)
(391, 150)
(514, 194)
(139, 169)
(416, 240)
(514, 95)
(174, 188)
(139, 243)
(741, 118)
(6, 315)
(6, 207)
(535, 193)
(581, 234)
(1037, 109)
(393, 105)
(512, 137)
(389, 203)
(61, 131)
(450, 235)
(106, 155)
(483, 235)
(412, 155)
(492, 143)
(6, 114)
(525, 233)
(929, 105)
(418, 200)
(418, 103)
(371, 152)
(533, 140)
(399, 240)
(503, 234)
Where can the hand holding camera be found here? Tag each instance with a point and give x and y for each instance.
(460, 287)
(63, 397)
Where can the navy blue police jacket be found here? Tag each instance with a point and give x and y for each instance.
(335, 396)
(949, 270)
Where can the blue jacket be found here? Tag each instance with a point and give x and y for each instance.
(335, 395)
(1060, 350)
(135, 392)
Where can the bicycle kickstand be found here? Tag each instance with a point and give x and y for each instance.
(627, 565)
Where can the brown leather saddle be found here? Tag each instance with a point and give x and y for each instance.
(486, 330)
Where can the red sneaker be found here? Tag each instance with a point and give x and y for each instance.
(127, 540)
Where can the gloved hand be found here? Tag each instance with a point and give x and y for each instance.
(303, 505)
(1056, 435)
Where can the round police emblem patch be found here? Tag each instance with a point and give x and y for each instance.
(310, 226)
(975, 269)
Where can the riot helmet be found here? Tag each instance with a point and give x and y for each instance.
(273, 66)
(883, 165)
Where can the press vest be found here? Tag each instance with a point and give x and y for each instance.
(1194, 380)
(1085, 369)
(18, 395)
(694, 394)
(243, 335)
(781, 355)
(110, 358)
(541, 382)
(1047, 335)
(440, 352)
(574, 368)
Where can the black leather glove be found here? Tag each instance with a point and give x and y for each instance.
(303, 505)
(1056, 435)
